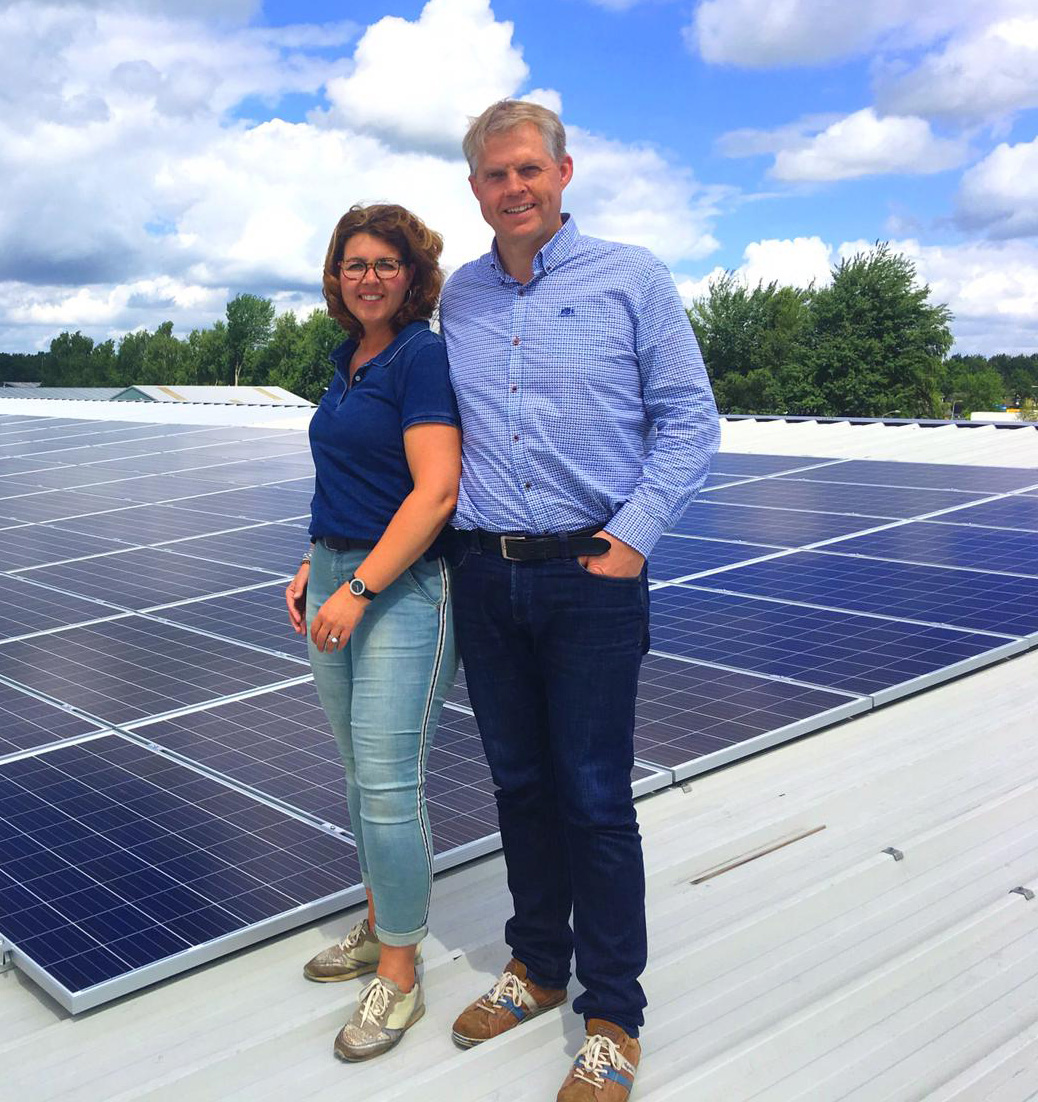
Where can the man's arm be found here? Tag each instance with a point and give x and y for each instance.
(680, 404)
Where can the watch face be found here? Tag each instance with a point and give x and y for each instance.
(357, 587)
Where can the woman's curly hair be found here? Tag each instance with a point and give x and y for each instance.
(419, 247)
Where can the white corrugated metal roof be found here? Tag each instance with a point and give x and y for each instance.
(223, 395)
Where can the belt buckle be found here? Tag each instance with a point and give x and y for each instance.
(504, 549)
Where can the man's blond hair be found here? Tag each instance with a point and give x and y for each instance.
(506, 115)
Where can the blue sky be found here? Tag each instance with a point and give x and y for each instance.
(158, 157)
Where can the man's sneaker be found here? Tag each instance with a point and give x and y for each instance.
(605, 1065)
(378, 1023)
(356, 955)
(511, 1000)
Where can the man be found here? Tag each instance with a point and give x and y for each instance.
(587, 424)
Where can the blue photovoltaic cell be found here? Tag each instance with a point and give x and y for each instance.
(276, 547)
(831, 497)
(257, 616)
(39, 544)
(782, 527)
(837, 650)
(133, 667)
(687, 711)
(113, 858)
(145, 489)
(941, 595)
(994, 549)
(255, 503)
(26, 722)
(145, 577)
(52, 505)
(938, 476)
(141, 525)
(26, 608)
(678, 556)
(747, 464)
(1019, 512)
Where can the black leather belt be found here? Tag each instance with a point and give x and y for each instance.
(333, 543)
(519, 547)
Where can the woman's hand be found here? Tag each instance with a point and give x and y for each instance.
(295, 598)
(336, 619)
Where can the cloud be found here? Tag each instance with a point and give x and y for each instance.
(796, 262)
(863, 144)
(135, 191)
(980, 74)
(1000, 193)
(395, 93)
(758, 34)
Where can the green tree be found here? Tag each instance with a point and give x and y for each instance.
(969, 383)
(69, 361)
(129, 360)
(877, 342)
(250, 321)
(207, 355)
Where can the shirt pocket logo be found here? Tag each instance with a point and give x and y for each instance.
(567, 312)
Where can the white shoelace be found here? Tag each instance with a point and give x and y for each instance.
(596, 1054)
(373, 1002)
(509, 986)
(353, 938)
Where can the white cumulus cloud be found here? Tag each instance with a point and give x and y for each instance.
(864, 144)
(1000, 193)
(393, 92)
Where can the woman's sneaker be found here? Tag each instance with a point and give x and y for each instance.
(356, 955)
(378, 1023)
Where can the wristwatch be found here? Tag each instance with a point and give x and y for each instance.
(359, 589)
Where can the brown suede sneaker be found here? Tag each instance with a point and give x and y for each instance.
(512, 1000)
(605, 1065)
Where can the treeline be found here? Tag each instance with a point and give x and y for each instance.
(871, 344)
(250, 347)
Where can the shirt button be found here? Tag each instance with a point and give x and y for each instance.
(515, 340)
(527, 485)
(516, 436)
(521, 292)
(514, 389)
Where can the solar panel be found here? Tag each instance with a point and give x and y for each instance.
(275, 547)
(836, 650)
(1019, 512)
(692, 717)
(26, 608)
(993, 549)
(831, 497)
(255, 503)
(258, 617)
(679, 556)
(119, 867)
(760, 464)
(131, 668)
(144, 577)
(941, 476)
(941, 595)
(26, 722)
(52, 505)
(781, 527)
(38, 544)
(141, 525)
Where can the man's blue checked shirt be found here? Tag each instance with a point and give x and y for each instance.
(583, 394)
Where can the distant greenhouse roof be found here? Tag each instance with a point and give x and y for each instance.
(76, 393)
(206, 395)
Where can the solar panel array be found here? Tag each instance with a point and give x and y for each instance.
(169, 788)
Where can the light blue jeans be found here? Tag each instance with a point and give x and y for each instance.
(383, 693)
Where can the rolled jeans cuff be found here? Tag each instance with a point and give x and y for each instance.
(400, 940)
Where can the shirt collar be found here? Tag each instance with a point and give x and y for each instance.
(551, 253)
(342, 353)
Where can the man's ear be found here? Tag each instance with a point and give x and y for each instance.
(472, 184)
(566, 169)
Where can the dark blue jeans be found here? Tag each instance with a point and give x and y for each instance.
(551, 656)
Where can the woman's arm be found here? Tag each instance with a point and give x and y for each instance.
(434, 457)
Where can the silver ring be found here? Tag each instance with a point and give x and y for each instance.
(333, 638)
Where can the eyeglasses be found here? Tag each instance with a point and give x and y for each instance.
(386, 267)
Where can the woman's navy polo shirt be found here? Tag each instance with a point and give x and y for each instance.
(357, 432)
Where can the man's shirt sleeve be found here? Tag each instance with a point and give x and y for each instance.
(680, 404)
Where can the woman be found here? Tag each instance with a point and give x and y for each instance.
(376, 595)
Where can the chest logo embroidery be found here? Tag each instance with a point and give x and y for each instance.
(567, 312)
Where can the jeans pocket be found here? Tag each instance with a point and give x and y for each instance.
(426, 579)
